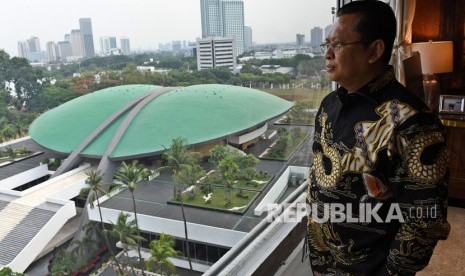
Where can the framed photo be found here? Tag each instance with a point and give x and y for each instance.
(451, 104)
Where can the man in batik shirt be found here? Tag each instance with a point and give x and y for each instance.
(379, 156)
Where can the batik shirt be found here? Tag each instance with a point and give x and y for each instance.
(381, 157)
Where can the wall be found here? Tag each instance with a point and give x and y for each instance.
(22, 178)
(443, 20)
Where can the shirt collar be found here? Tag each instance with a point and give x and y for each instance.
(373, 86)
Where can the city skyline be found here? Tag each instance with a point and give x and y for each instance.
(149, 23)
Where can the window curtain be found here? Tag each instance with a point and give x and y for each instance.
(404, 11)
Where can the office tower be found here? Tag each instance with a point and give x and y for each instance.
(213, 52)
(210, 13)
(223, 18)
(247, 37)
(68, 38)
(76, 43)
(300, 40)
(52, 51)
(316, 36)
(23, 49)
(327, 31)
(113, 45)
(64, 49)
(34, 44)
(104, 45)
(85, 25)
(125, 47)
(176, 45)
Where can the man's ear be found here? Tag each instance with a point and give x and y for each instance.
(376, 50)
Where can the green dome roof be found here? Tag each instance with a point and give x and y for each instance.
(197, 113)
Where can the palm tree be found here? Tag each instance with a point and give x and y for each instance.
(177, 158)
(95, 187)
(130, 175)
(62, 264)
(127, 232)
(160, 251)
(80, 247)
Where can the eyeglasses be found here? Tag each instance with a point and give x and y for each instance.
(337, 46)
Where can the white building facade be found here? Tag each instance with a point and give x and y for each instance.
(224, 18)
(214, 52)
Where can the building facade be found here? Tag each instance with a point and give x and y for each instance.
(316, 37)
(300, 40)
(247, 37)
(23, 49)
(125, 46)
(52, 51)
(64, 49)
(85, 25)
(77, 45)
(104, 45)
(223, 18)
(34, 44)
(214, 52)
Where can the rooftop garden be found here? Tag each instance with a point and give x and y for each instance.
(231, 186)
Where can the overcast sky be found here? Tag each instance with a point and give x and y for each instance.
(150, 22)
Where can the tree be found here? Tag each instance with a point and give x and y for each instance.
(160, 251)
(63, 263)
(247, 165)
(228, 169)
(22, 80)
(217, 153)
(179, 157)
(130, 175)
(128, 233)
(6, 271)
(52, 96)
(95, 187)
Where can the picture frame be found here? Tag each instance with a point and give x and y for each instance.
(453, 104)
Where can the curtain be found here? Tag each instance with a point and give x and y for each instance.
(404, 11)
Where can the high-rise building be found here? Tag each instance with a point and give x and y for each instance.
(85, 25)
(23, 49)
(64, 49)
(34, 44)
(176, 45)
(213, 52)
(52, 51)
(113, 45)
(30, 49)
(211, 18)
(104, 45)
(316, 36)
(223, 18)
(327, 31)
(300, 40)
(247, 37)
(77, 46)
(125, 47)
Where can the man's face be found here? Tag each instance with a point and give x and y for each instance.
(346, 64)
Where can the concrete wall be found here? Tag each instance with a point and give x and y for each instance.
(248, 136)
(22, 178)
(278, 188)
(175, 228)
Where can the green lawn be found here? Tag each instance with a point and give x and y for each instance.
(253, 185)
(218, 199)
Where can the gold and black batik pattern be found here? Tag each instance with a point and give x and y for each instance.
(378, 145)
